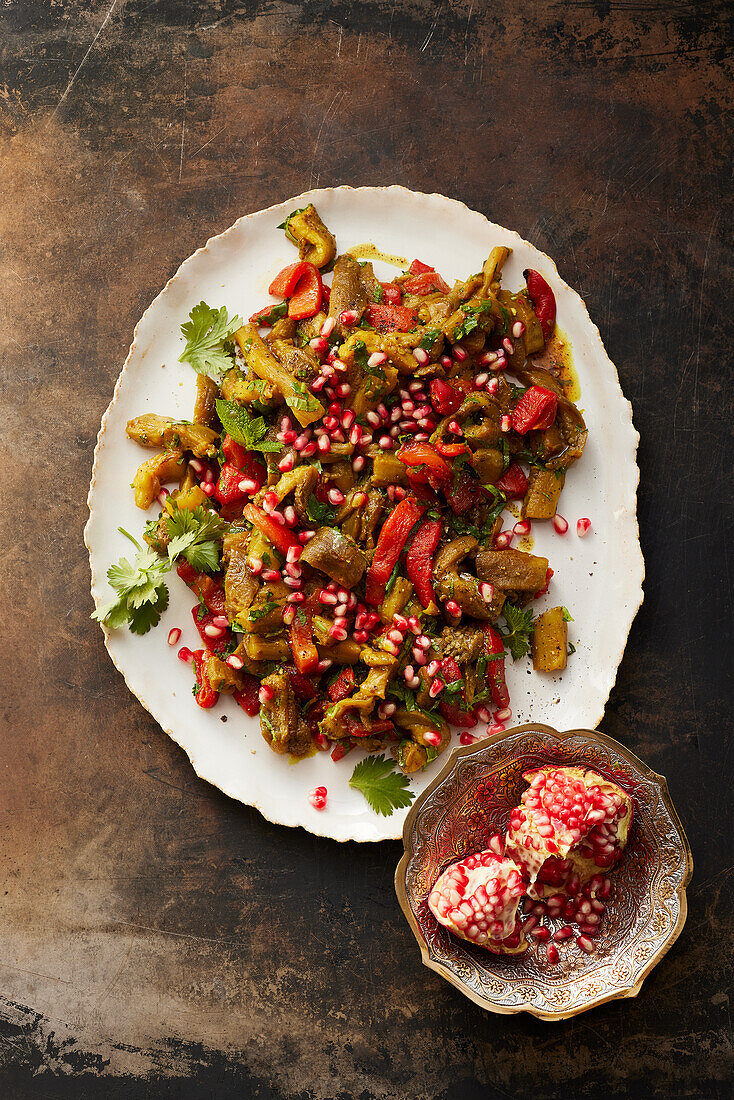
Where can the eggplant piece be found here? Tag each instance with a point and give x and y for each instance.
(336, 555)
(463, 643)
(544, 490)
(387, 469)
(512, 570)
(197, 438)
(315, 242)
(489, 464)
(221, 676)
(240, 584)
(347, 292)
(148, 429)
(205, 409)
(280, 720)
(260, 359)
(150, 475)
(463, 588)
(550, 641)
(247, 388)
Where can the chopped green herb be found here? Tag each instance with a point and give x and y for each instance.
(248, 431)
(286, 224)
(142, 593)
(519, 632)
(196, 534)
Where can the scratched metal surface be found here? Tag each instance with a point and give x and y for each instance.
(156, 939)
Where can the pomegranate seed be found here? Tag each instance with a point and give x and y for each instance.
(197, 466)
(459, 354)
(272, 576)
(220, 620)
(552, 954)
(432, 738)
(586, 945)
(161, 498)
(522, 528)
(338, 632)
(539, 909)
(502, 715)
(493, 385)
(505, 423)
(453, 608)
(174, 635)
(207, 488)
(318, 344)
(560, 524)
(270, 501)
(212, 631)
(386, 710)
(486, 591)
(482, 714)
(265, 694)
(588, 929)
(385, 442)
(324, 665)
(435, 688)
(295, 597)
(467, 738)
(496, 844)
(481, 380)
(508, 345)
(583, 526)
(499, 727)
(503, 540)
(421, 356)
(445, 361)
(235, 662)
(317, 797)
(359, 463)
(563, 933)
(541, 933)
(529, 924)
(335, 496)
(184, 654)
(433, 668)
(305, 536)
(328, 327)
(256, 566)
(348, 316)
(518, 329)
(285, 465)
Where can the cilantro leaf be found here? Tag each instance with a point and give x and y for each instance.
(378, 293)
(384, 788)
(319, 512)
(472, 318)
(429, 338)
(196, 534)
(248, 431)
(142, 594)
(520, 629)
(205, 332)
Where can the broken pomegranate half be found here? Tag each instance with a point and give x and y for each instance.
(571, 824)
(477, 899)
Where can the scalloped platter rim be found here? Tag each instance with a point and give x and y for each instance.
(600, 579)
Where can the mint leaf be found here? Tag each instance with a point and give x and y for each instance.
(246, 430)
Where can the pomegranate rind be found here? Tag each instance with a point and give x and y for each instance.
(566, 815)
(477, 900)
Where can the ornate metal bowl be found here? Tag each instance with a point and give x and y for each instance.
(471, 799)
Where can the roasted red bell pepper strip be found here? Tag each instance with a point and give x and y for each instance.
(301, 641)
(392, 294)
(535, 410)
(201, 622)
(204, 693)
(452, 450)
(281, 537)
(268, 315)
(247, 697)
(513, 482)
(244, 460)
(424, 455)
(542, 299)
(419, 560)
(463, 493)
(456, 715)
(387, 318)
(493, 648)
(393, 537)
(419, 268)
(444, 398)
(343, 686)
(227, 489)
(307, 297)
(425, 283)
(286, 280)
(303, 689)
(357, 729)
(204, 587)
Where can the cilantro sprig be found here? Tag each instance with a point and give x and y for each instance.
(142, 593)
(519, 630)
(384, 788)
(196, 534)
(244, 429)
(205, 332)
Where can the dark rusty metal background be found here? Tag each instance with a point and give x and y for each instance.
(155, 938)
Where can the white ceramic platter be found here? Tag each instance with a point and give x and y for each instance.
(598, 578)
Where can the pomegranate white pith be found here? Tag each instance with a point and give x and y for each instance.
(478, 898)
(570, 822)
